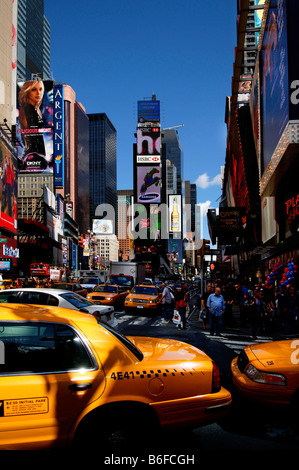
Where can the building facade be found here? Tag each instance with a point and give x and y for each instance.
(102, 163)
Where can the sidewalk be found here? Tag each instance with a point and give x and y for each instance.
(236, 327)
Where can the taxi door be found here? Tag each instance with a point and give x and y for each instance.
(46, 380)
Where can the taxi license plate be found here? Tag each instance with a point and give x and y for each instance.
(139, 306)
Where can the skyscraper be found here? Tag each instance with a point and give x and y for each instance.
(102, 163)
(33, 54)
(174, 153)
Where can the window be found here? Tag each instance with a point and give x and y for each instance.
(40, 347)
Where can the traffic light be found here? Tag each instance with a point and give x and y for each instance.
(205, 248)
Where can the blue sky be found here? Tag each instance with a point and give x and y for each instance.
(117, 52)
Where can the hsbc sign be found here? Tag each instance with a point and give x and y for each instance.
(148, 159)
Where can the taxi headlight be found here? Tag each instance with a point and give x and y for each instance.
(264, 377)
(153, 301)
(128, 299)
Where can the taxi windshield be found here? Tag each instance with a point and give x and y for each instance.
(88, 280)
(144, 290)
(123, 339)
(106, 289)
(77, 300)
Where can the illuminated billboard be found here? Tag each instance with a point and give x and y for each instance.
(148, 111)
(8, 174)
(148, 145)
(102, 227)
(274, 79)
(35, 126)
(148, 184)
(175, 213)
(58, 135)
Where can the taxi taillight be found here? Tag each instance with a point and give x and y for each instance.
(215, 379)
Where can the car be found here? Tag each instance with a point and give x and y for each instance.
(268, 373)
(71, 286)
(60, 298)
(144, 298)
(5, 284)
(69, 380)
(108, 295)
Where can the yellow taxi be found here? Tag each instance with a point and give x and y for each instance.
(66, 378)
(72, 287)
(108, 295)
(268, 373)
(144, 298)
(5, 284)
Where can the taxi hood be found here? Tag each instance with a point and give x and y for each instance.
(274, 353)
(167, 350)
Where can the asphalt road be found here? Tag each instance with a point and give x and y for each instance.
(247, 428)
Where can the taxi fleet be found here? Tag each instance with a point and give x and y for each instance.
(144, 298)
(268, 373)
(65, 377)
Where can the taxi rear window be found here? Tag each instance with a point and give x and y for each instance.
(40, 347)
(124, 340)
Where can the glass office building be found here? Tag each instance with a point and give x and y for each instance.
(102, 163)
(33, 51)
(174, 153)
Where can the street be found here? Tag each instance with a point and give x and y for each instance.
(247, 427)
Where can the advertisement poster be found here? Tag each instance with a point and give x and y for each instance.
(149, 141)
(148, 184)
(275, 79)
(175, 213)
(102, 227)
(148, 111)
(8, 178)
(35, 126)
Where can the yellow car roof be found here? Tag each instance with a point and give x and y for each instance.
(27, 312)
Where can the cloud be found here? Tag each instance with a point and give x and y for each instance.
(204, 207)
(203, 181)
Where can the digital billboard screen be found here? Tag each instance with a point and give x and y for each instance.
(59, 135)
(274, 79)
(8, 175)
(148, 184)
(148, 141)
(175, 213)
(35, 126)
(148, 111)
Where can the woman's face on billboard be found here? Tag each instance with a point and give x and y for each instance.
(35, 94)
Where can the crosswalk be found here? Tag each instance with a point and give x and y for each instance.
(233, 340)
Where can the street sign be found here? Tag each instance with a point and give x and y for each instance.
(3, 240)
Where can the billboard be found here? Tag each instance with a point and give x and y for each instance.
(8, 178)
(58, 135)
(175, 250)
(102, 227)
(175, 213)
(148, 184)
(148, 144)
(35, 126)
(274, 79)
(148, 111)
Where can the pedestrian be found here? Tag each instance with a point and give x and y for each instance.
(291, 311)
(204, 298)
(167, 297)
(181, 305)
(216, 306)
(251, 305)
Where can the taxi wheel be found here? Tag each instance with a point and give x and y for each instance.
(118, 428)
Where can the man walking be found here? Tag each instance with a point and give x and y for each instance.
(166, 303)
(216, 306)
